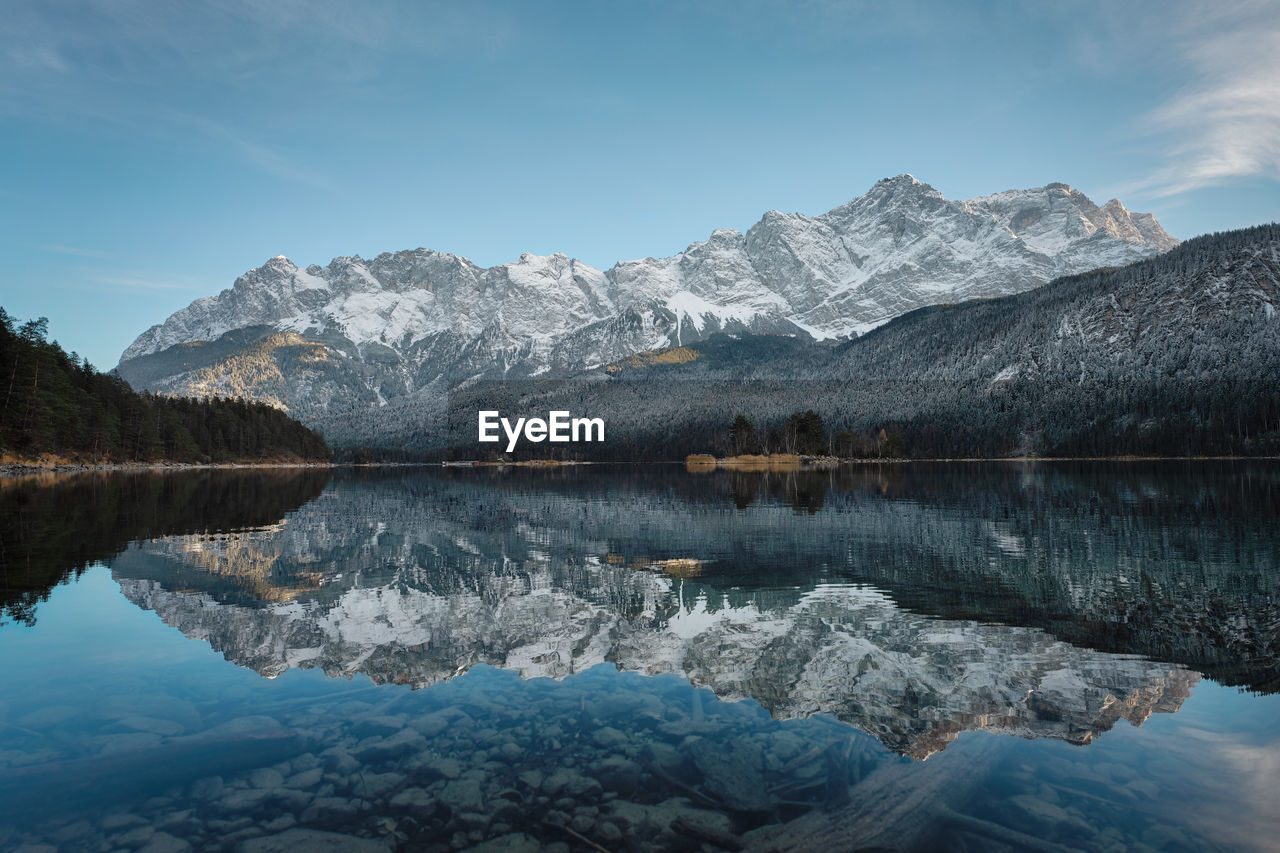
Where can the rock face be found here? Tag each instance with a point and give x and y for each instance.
(359, 333)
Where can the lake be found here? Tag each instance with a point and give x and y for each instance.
(973, 656)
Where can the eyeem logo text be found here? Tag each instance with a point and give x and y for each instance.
(558, 427)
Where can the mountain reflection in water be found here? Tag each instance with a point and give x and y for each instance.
(415, 578)
(840, 617)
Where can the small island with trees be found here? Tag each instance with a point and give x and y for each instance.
(801, 440)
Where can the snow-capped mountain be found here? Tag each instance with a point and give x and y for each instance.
(1183, 344)
(359, 333)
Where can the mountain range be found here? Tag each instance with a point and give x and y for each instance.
(328, 343)
(1173, 355)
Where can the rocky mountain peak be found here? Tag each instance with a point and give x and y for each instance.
(902, 186)
(904, 179)
(725, 237)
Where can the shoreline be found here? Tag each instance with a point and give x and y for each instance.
(25, 469)
(524, 463)
(704, 463)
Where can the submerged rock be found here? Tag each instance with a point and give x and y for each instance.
(289, 799)
(515, 842)
(609, 738)
(120, 821)
(265, 777)
(312, 841)
(306, 780)
(243, 801)
(280, 824)
(654, 821)
(665, 756)
(463, 795)
(135, 837)
(567, 782)
(618, 774)
(402, 742)
(163, 842)
(383, 725)
(374, 786)
(733, 775)
(417, 800)
(330, 810)
(449, 768)
(67, 834)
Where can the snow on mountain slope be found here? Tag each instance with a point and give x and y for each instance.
(365, 332)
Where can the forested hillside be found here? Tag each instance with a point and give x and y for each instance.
(1174, 356)
(53, 402)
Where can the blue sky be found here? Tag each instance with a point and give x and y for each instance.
(154, 151)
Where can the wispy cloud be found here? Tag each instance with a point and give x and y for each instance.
(74, 251)
(133, 282)
(258, 155)
(1225, 125)
(36, 57)
(74, 47)
(148, 69)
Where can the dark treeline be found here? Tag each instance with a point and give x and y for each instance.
(54, 402)
(52, 528)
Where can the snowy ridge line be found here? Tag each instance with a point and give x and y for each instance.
(407, 321)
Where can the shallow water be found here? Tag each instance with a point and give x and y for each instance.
(963, 657)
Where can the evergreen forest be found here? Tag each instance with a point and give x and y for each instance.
(54, 403)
